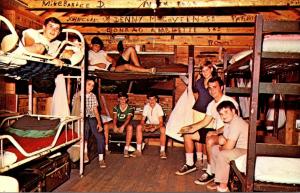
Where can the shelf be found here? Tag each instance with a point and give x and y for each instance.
(146, 53)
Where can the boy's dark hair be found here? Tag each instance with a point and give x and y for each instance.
(226, 104)
(120, 46)
(89, 78)
(151, 94)
(122, 94)
(53, 20)
(216, 79)
(97, 40)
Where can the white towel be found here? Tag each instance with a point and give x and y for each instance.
(60, 105)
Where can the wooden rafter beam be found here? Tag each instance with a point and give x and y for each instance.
(149, 4)
(164, 30)
(93, 19)
(18, 15)
(181, 40)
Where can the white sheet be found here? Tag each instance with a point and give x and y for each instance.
(181, 115)
(274, 45)
(240, 55)
(273, 169)
(60, 105)
(8, 184)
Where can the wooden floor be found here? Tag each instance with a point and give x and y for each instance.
(145, 174)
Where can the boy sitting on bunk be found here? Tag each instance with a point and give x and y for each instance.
(231, 145)
(154, 114)
(93, 122)
(122, 117)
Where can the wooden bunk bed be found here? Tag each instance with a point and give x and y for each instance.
(185, 72)
(67, 131)
(266, 63)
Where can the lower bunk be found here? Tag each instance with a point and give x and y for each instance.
(276, 169)
(34, 149)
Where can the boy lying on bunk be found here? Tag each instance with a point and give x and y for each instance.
(98, 59)
(46, 43)
(42, 43)
(154, 114)
(231, 145)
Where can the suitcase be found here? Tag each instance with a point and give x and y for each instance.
(54, 171)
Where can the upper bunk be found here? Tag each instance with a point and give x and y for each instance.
(278, 53)
(164, 62)
(162, 72)
(18, 63)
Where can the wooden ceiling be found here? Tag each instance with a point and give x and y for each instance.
(203, 23)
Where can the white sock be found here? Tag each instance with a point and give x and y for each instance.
(189, 159)
(126, 148)
(101, 157)
(162, 148)
(199, 155)
(139, 147)
(204, 156)
(208, 170)
(106, 147)
(85, 147)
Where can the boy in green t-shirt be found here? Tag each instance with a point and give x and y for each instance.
(122, 115)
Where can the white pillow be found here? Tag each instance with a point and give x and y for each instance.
(8, 184)
(8, 159)
(240, 55)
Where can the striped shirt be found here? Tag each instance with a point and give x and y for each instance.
(90, 103)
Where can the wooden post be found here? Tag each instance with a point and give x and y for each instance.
(251, 154)
(69, 90)
(289, 126)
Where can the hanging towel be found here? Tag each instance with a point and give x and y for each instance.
(60, 100)
(271, 113)
(244, 101)
(181, 115)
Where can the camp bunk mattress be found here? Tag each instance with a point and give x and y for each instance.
(22, 149)
(273, 169)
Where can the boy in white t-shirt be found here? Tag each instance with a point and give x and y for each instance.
(98, 58)
(154, 114)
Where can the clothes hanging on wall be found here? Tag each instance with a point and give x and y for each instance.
(181, 115)
(271, 112)
(244, 101)
(60, 105)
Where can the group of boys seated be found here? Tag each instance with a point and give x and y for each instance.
(152, 120)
